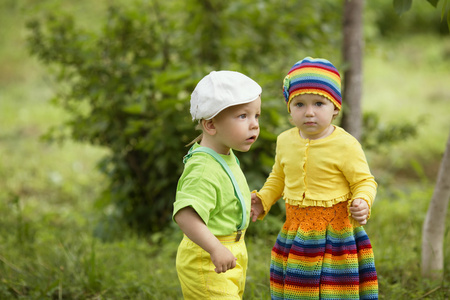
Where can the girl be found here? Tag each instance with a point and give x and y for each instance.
(320, 170)
(212, 204)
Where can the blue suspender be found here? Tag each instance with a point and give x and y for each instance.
(227, 169)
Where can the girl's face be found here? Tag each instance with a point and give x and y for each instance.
(312, 114)
(237, 127)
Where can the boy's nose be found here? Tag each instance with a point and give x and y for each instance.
(254, 123)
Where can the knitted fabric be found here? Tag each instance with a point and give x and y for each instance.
(313, 76)
(320, 255)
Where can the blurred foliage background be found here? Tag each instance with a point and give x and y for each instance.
(94, 110)
(127, 86)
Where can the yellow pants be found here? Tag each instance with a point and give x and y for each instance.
(198, 278)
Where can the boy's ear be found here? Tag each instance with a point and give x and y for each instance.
(209, 127)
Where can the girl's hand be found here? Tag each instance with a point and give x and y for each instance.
(257, 207)
(360, 211)
(223, 259)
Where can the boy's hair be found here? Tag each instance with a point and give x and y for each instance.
(198, 139)
(313, 76)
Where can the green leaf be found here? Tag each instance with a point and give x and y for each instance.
(444, 10)
(137, 108)
(433, 2)
(448, 20)
(402, 6)
(134, 127)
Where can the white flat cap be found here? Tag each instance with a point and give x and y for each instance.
(219, 90)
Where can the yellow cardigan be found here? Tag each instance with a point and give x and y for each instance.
(319, 172)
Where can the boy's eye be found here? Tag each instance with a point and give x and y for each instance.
(243, 116)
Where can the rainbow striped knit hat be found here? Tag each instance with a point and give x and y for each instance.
(313, 76)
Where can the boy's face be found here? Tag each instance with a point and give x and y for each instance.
(237, 127)
(312, 114)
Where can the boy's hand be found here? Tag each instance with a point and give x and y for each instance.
(360, 211)
(196, 230)
(257, 207)
(223, 259)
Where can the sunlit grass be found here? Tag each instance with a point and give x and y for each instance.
(407, 82)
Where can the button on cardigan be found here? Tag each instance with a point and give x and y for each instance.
(320, 172)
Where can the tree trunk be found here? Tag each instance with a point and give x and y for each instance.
(434, 225)
(353, 77)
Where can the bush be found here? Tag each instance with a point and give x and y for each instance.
(127, 87)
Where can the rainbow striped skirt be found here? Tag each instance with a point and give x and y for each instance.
(320, 255)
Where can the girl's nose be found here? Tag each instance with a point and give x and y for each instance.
(309, 110)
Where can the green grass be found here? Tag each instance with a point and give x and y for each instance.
(51, 244)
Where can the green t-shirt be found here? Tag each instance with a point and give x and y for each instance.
(206, 187)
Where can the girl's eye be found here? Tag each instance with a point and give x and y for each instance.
(299, 104)
(319, 103)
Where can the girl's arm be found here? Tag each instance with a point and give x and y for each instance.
(194, 228)
(271, 192)
(356, 171)
(362, 183)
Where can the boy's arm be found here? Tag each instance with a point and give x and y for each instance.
(194, 228)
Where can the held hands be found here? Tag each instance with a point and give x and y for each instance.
(223, 259)
(257, 207)
(360, 211)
